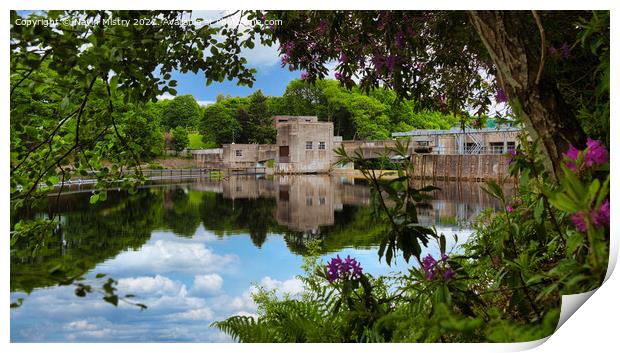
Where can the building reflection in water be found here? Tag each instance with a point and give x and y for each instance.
(306, 202)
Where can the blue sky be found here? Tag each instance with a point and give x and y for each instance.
(270, 77)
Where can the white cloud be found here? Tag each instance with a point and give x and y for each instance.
(291, 286)
(163, 256)
(209, 284)
(201, 314)
(205, 103)
(226, 303)
(165, 96)
(80, 325)
(158, 285)
(261, 56)
(245, 313)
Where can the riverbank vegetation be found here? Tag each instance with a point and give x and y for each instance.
(550, 239)
(84, 98)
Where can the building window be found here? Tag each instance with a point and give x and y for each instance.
(511, 146)
(322, 145)
(308, 145)
(238, 153)
(308, 200)
(321, 200)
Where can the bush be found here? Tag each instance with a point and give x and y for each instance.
(503, 286)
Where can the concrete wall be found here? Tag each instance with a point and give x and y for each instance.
(209, 158)
(475, 167)
(293, 136)
(240, 155)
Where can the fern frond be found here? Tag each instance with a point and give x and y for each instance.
(245, 329)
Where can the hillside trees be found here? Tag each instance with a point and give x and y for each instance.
(181, 111)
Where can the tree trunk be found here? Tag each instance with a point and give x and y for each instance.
(513, 41)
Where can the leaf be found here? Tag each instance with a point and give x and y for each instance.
(494, 190)
(442, 244)
(94, 198)
(538, 211)
(112, 299)
(113, 85)
(100, 275)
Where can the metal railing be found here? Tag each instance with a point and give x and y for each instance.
(470, 150)
(164, 174)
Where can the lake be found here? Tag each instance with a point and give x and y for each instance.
(193, 251)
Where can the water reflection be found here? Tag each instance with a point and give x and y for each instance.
(192, 251)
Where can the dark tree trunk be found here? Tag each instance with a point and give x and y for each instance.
(513, 41)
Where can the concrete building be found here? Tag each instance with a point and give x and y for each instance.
(304, 145)
(468, 141)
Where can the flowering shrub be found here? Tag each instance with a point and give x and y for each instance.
(434, 269)
(349, 269)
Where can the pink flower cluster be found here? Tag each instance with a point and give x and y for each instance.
(595, 154)
(599, 218)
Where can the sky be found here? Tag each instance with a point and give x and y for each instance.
(270, 77)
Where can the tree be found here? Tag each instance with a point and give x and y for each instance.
(84, 70)
(180, 138)
(444, 60)
(181, 111)
(219, 124)
(260, 124)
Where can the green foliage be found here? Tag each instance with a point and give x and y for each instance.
(219, 124)
(79, 92)
(592, 94)
(196, 142)
(504, 287)
(180, 138)
(181, 111)
(398, 204)
(355, 114)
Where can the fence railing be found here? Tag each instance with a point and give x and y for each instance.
(166, 174)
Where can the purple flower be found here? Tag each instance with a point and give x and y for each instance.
(433, 268)
(304, 76)
(553, 51)
(601, 217)
(333, 268)
(448, 274)
(596, 154)
(284, 60)
(565, 50)
(390, 61)
(428, 265)
(347, 269)
(322, 26)
(399, 39)
(579, 221)
(511, 155)
(343, 58)
(509, 208)
(571, 154)
(338, 76)
(501, 96)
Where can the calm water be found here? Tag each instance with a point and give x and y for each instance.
(192, 252)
